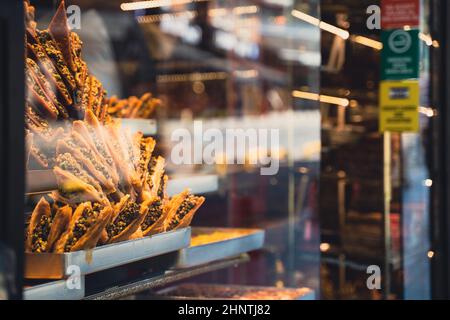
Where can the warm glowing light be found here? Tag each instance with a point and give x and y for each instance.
(426, 38)
(220, 12)
(245, 10)
(246, 74)
(139, 5)
(436, 44)
(429, 112)
(322, 98)
(152, 18)
(324, 247)
(407, 28)
(428, 182)
(305, 95)
(334, 100)
(430, 254)
(305, 17)
(367, 42)
(344, 34)
(205, 76)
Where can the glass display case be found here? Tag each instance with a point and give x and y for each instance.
(169, 142)
(210, 149)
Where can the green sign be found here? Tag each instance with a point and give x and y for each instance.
(400, 54)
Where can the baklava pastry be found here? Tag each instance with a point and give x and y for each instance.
(126, 171)
(85, 228)
(41, 127)
(48, 43)
(37, 98)
(155, 178)
(92, 131)
(128, 216)
(37, 52)
(37, 157)
(154, 221)
(46, 226)
(73, 190)
(81, 151)
(47, 89)
(181, 209)
(146, 147)
(68, 163)
(60, 32)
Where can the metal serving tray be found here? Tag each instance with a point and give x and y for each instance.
(246, 240)
(192, 291)
(55, 290)
(54, 266)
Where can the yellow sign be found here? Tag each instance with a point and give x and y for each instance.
(399, 106)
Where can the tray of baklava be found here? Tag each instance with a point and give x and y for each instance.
(213, 244)
(190, 291)
(61, 265)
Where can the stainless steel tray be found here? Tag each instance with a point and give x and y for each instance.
(192, 291)
(55, 290)
(240, 241)
(54, 266)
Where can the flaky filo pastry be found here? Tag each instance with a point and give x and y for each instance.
(47, 88)
(85, 227)
(91, 130)
(36, 51)
(73, 190)
(60, 32)
(181, 209)
(41, 127)
(53, 52)
(154, 220)
(128, 216)
(145, 147)
(155, 179)
(39, 157)
(128, 177)
(69, 44)
(77, 146)
(46, 226)
(68, 163)
(37, 97)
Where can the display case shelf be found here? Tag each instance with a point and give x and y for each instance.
(43, 181)
(56, 290)
(167, 278)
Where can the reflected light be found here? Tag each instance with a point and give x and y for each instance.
(322, 98)
(344, 34)
(219, 12)
(324, 247)
(428, 182)
(367, 42)
(334, 100)
(205, 76)
(169, 16)
(430, 254)
(429, 112)
(149, 4)
(426, 38)
(246, 74)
